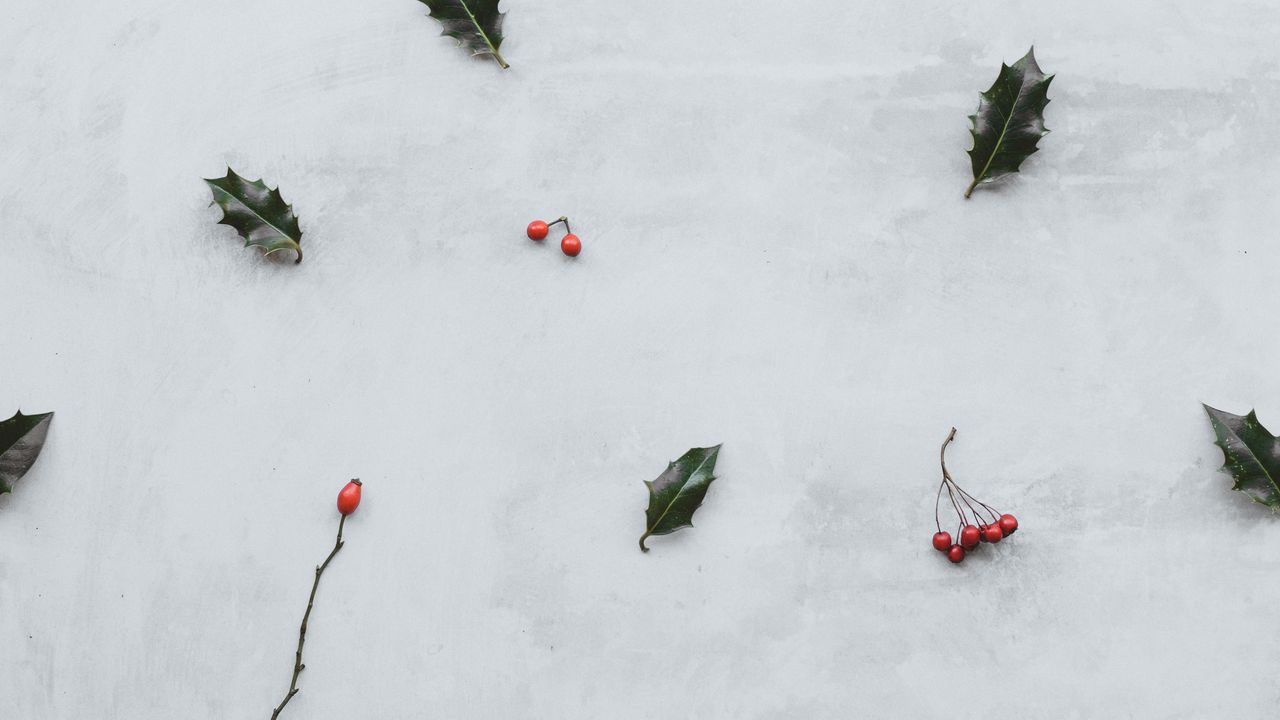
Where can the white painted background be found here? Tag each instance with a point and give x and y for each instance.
(777, 257)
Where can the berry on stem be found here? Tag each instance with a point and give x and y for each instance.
(942, 541)
(537, 230)
(571, 245)
(993, 534)
(349, 498)
(970, 537)
(1008, 524)
(955, 554)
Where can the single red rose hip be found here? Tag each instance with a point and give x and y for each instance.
(993, 533)
(1008, 524)
(970, 537)
(955, 554)
(942, 541)
(349, 498)
(537, 230)
(571, 245)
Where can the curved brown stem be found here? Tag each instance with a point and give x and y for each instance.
(942, 455)
(302, 631)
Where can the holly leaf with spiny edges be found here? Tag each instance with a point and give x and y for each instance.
(676, 493)
(1252, 455)
(257, 212)
(21, 440)
(1009, 121)
(475, 24)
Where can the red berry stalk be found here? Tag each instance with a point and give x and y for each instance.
(348, 501)
(978, 522)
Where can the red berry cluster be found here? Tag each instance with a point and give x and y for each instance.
(978, 521)
(569, 245)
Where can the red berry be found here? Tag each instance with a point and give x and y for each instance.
(982, 532)
(955, 554)
(1008, 524)
(969, 537)
(537, 230)
(993, 533)
(349, 498)
(571, 245)
(942, 541)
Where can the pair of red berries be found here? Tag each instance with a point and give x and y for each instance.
(971, 535)
(570, 244)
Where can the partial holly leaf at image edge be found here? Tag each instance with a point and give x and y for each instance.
(1251, 455)
(678, 492)
(257, 212)
(21, 439)
(475, 24)
(1009, 121)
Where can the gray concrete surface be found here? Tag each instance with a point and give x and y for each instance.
(777, 257)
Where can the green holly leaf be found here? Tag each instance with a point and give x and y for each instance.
(676, 493)
(1252, 455)
(257, 212)
(1009, 121)
(475, 24)
(21, 439)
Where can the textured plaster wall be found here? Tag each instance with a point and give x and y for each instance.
(777, 257)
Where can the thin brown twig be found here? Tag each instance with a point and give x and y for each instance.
(964, 520)
(990, 510)
(298, 667)
(942, 454)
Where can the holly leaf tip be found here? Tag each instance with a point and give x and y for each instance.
(21, 440)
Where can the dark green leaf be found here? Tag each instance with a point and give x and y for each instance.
(1009, 121)
(676, 493)
(475, 24)
(258, 213)
(1252, 455)
(21, 439)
